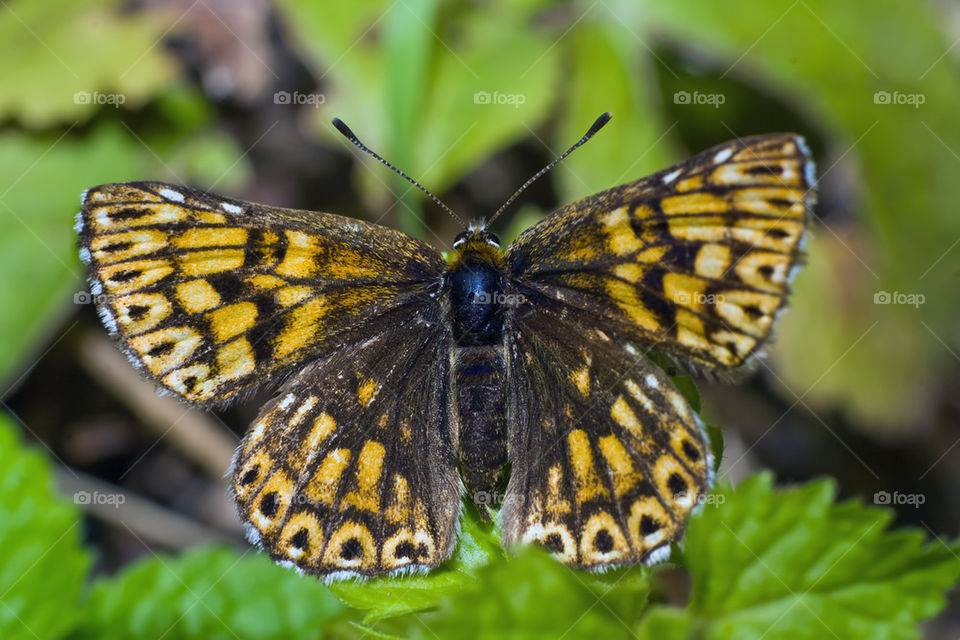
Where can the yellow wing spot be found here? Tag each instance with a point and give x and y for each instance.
(323, 485)
(301, 539)
(235, 359)
(345, 263)
(748, 311)
(685, 290)
(230, 321)
(299, 260)
(399, 509)
(712, 260)
(193, 382)
(351, 547)
(369, 465)
(268, 508)
(581, 459)
(556, 503)
(581, 380)
(625, 475)
(730, 347)
(649, 524)
(405, 432)
(625, 417)
(625, 295)
(302, 326)
(703, 228)
(118, 217)
(367, 391)
(199, 263)
(305, 407)
(115, 247)
(689, 184)
(690, 330)
(323, 426)
(694, 203)
(602, 541)
(620, 236)
(264, 282)
(127, 277)
(197, 295)
(211, 237)
(120, 193)
(139, 312)
(776, 234)
(763, 270)
(289, 296)
(629, 271)
(774, 202)
(165, 349)
(651, 255)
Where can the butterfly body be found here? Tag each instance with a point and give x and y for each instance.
(406, 379)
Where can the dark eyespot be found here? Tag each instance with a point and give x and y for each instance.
(269, 504)
(648, 525)
(300, 539)
(405, 550)
(251, 475)
(690, 451)
(603, 541)
(351, 549)
(160, 349)
(554, 543)
(676, 484)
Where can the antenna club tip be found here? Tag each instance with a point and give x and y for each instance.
(343, 128)
(600, 122)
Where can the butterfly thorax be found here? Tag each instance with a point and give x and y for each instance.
(475, 281)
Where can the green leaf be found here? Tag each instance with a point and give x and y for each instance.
(794, 564)
(715, 435)
(41, 179)
(42, 566)
(533, 596)
(208, 593)
(66, 59)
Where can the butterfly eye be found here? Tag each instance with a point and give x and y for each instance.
(493, 239)
(460, 239)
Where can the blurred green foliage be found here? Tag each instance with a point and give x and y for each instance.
(414, 78)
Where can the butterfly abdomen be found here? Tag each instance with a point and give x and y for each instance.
(481, 401)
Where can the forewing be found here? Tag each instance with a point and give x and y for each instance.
(695, 259)
(351, 469)
(607, 457)
(210, 296)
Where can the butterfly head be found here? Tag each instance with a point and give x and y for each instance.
(478, 243)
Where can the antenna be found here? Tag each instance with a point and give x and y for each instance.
(596, 126)
(351, 136)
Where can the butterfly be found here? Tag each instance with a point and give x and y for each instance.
(407, 379)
